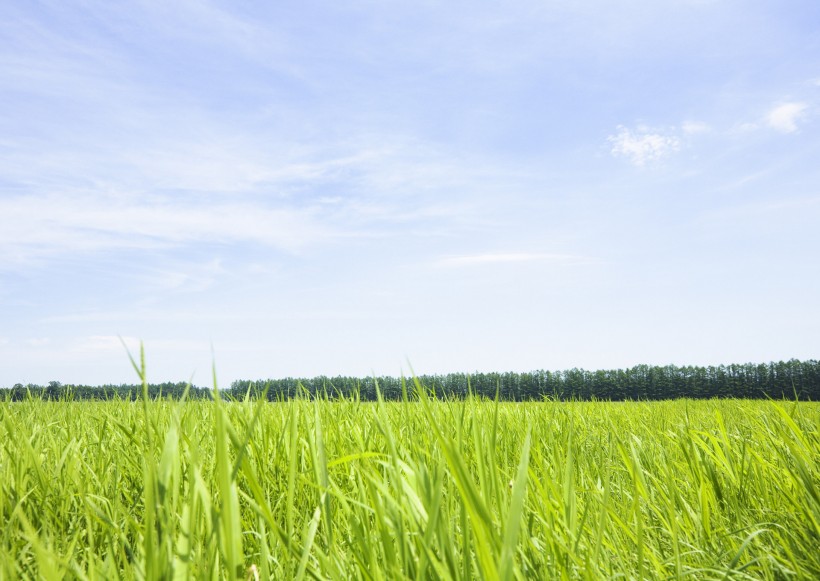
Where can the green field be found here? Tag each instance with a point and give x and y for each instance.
(420, 490)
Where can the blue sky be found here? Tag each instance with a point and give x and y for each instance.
(343, 187)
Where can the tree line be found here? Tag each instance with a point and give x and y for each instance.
(777, 380)
(55, 390)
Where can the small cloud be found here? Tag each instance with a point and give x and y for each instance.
(108, 344)
(186, 277)
(695, 127)
(642, 146)
(499, 258)
(746, 127)
(105, 344)
(784, 117)
(38, 341)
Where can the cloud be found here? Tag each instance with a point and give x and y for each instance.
(502, 258)
(34, 226)
(695, 127)
(784, 117)
(642, 146)
(106, 344)
(361, 192)
(745, 127)
(115, 344)
(185, 276)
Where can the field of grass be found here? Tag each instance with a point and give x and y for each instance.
(425, 489)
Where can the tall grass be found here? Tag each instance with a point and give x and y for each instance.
(424, 489)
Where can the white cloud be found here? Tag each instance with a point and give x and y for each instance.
(695, 127)
(107, 344)
(642, 146)
(34, 226)
(745, 127)
(185, 276)
(499, 258)
(118, 345)
(784, 117)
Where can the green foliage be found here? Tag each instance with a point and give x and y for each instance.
(784, 379)
(59, 391)
(423, 489)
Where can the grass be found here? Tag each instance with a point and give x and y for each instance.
(425, 489)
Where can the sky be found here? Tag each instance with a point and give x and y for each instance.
(304, 188)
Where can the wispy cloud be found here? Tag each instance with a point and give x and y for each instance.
(34, 227)
(113, 344)
(106, 344)
(184, 277)
(784, 117)
(695, 127)
(503, 258)
(643, 145)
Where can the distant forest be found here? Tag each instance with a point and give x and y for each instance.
(783, 379)
(65, 391)
(787, 379)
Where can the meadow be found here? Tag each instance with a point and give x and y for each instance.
(420, 489)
